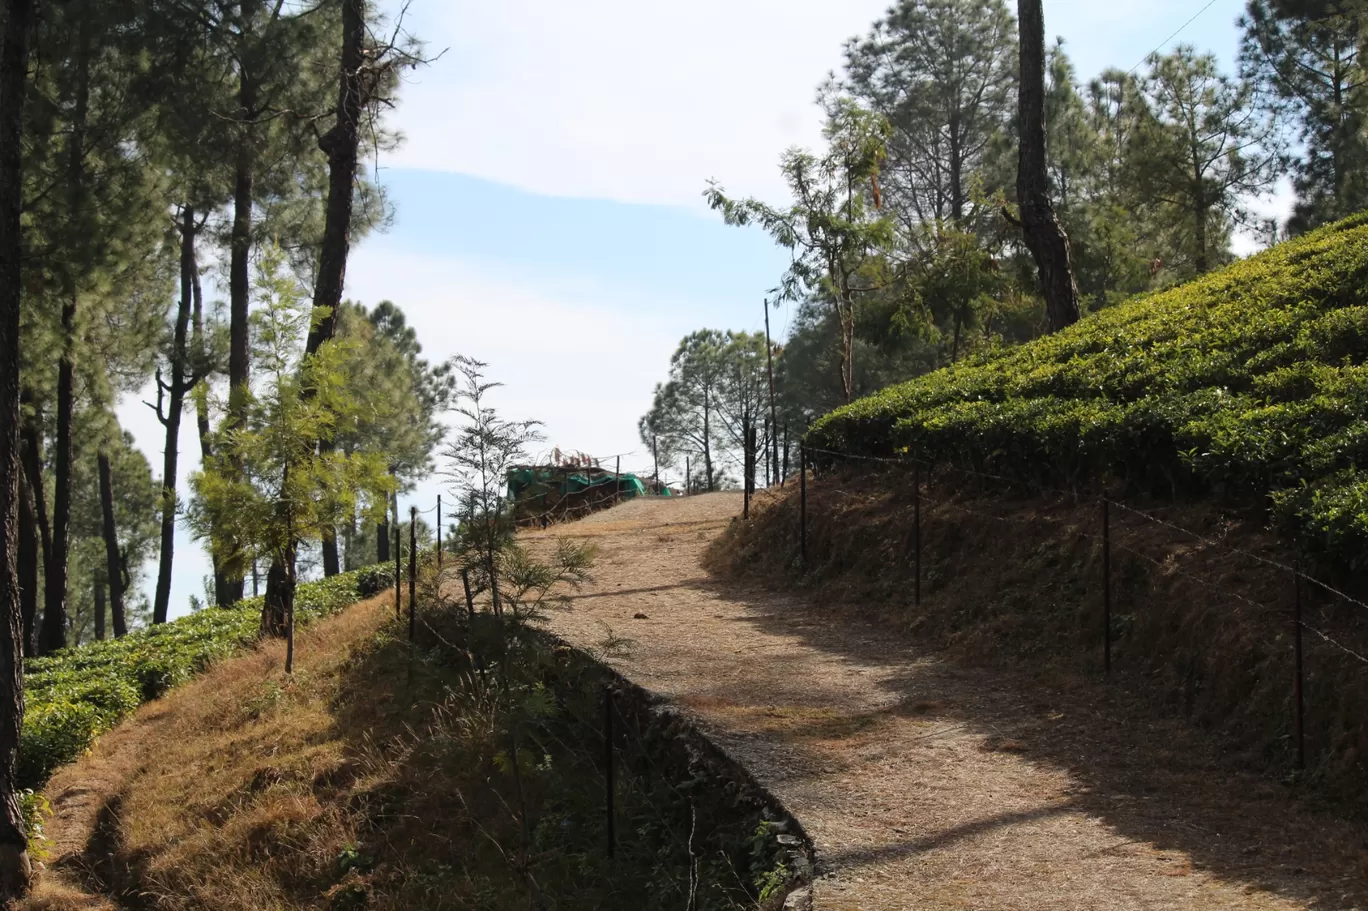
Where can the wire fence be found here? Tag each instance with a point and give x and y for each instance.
(670, 798)
(1117, 525)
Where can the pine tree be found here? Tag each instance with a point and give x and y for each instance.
(15, 41)
(1200, 149)
(1309, 71)
(943, 73)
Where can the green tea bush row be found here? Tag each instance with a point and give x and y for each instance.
(74, 695)
(1249, 383)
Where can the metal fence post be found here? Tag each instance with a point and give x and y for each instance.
(802, 503)
(1106, 586)
(398, 566)
(608, 768)
(1297, 654)
(688, 476)
(617, 482)
(439, 531)
(413, 571)
(916, 534)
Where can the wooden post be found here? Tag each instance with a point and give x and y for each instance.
(688, 476)
(413, 571)
(1297, 656)
(470, 599)
(802, 503)
(608, 768)
(1106, 587)
(398, 568)
(617, 481)
(916, 534)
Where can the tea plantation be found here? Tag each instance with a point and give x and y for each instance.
(1250, 383)
(74, 695)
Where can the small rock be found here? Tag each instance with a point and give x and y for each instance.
(640, 616)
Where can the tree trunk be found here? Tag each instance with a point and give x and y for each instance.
(1200, 262)
(198, 345)
(280, 591)
(340, 144)
(773, 412)
(113, 564)
(239, 265)
(52, 635)
(847, 317)
(15, 869)
(28, 566)
(707, 441)
(33, 471)
(181, 382)
(1045, 236)
(100, 605)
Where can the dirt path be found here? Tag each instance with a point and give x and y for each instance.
(926, 785)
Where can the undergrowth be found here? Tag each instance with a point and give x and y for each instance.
(1249, 383)
(74, 695)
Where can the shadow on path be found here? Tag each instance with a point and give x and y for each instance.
(1152, 778)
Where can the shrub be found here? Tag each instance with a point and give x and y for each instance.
(1250, 383)
(74, 695)
(372, 580)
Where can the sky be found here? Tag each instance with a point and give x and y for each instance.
(549, 216)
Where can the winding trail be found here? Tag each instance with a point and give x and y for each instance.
(929, 785)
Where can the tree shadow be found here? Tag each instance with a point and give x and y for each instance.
(1152, 777)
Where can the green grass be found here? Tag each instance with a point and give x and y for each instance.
(1249, 383)
(77, 694)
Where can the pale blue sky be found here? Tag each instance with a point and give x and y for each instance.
(549, 218)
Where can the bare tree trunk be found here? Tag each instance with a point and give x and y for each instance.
(340, 144)
(1045, 236)
(15, 869)
(182, 380)
(239, 266)
(113, 564)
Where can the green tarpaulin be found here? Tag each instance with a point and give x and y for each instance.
(536, 481)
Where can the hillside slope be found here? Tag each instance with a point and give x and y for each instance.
(1248, 384)
(391, 775)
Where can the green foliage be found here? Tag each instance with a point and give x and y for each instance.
(35, 809)
(372, 580)
(1248, 383)
(77, 694)
(268, 485)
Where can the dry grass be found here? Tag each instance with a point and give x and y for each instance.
(210, 797)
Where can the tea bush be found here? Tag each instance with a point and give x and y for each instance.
(1249, 383)
(74, 695)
